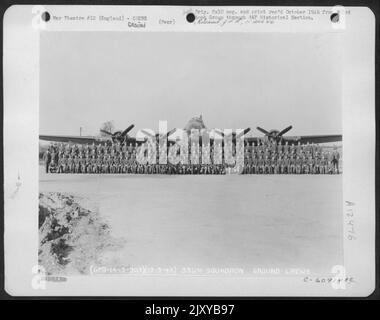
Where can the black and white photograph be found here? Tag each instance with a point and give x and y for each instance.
(205, 154)
(118, 192)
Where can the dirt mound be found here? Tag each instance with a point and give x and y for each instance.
(72, 234)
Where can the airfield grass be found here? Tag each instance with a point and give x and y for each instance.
(249, 222)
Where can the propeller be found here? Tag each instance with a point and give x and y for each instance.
(263, 131)
(244, 132)
(275, 133)
(106, 132)
(118, 135)
(281, 133)
(126, 131)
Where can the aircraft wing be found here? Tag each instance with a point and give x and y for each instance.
(314, 139)
(74, 139)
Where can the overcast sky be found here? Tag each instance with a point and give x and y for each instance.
(233, 80)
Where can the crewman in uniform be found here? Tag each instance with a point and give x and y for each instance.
(280, 147)
(266, 153)
(299, 148)
(311, 164)
(307, 147)
(109, 163)
(324, 165)
(82, 164)
(305, 165)
(335, 160)
(117, 147)
(273, 146)
(250, 164)
(67, 148)
(130, 148)
(260, 164)
(267, 165)
(274, 165)
(47, 160)
(76, 164)
(277, 165)
(292, 165)
(314, 149)
(298, 163)
(99, 162)
(120, 164)
(70, 164)
(132, 166)
(282, 164)
(330, 164)
(61, 164)
(292, 148)
(329, 158)
(54, 156)
(286, 165)
(317, 164)
(285, 147)
(123, 163)
(254, 165)
(88, 163)
(115, 164)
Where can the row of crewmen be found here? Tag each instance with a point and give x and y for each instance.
(262, 146)
(263, 157)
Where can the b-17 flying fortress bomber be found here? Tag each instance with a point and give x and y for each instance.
(197, 150)
(195, 123)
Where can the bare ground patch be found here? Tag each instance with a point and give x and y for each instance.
(72, 235)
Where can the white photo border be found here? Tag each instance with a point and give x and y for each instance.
(22, 28)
